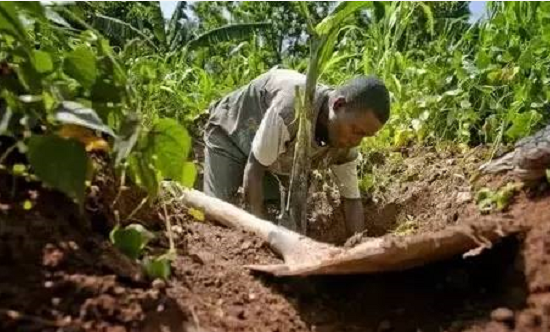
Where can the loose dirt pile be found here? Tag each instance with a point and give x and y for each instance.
(409, 191)
(59, 272)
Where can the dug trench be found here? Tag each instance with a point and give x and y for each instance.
(59, 273)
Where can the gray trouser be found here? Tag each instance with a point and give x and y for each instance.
(224, 165)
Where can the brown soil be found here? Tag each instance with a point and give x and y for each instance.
(59, 273)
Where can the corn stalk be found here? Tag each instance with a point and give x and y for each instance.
(323, 38)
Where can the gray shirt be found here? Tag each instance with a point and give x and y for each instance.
(260, 119)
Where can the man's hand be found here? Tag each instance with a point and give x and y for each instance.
(355, 219)
(253, 186)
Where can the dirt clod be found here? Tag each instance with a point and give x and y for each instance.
(502, 315)
(158, 284)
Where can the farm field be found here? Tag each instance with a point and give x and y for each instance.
(104, 226)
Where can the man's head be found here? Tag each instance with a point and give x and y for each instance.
(357, 109)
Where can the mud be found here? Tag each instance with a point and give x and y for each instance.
(58, 271)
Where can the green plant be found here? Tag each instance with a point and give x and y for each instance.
(144, 21)
(158, 267)
(488, 200)
(323, 39)
(73, 96)
(132, 241)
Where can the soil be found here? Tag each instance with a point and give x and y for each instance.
(58, 271)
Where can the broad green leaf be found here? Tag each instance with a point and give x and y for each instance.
(127, 137)
(161, 155)
(119, 73)
(482, 59)
(59, 163)
(175, 26)
(325, 53)
(526, 59)
(116, 28)
(130, 240)
(10, 23)
(167, 146)
(105, 91)
(54, 17)
(157, 20)
(522, 124)
(494, 75)
(81, 65)
(144, 173)
(232, 32)
(429, 17)
(32, 7)
(189, 174)
(71, 112)
(30, 77)
(42, 62)
(157, 267)
(342, 12)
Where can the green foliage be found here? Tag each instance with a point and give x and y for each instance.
(80, 64)
(288, 34)
(225, 33)
(10, 23)
(71, 93)
(467, 83)
(323, 40)
(157, 267)
(189, 174)
(161, 155)
(131, 240)
(60, 163)
(488, 200)
(124, 22)
(42, 62)
(339, 15)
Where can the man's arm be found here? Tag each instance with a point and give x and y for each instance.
(267, 145)
(347, 180)
(253, 186)
(353, 212)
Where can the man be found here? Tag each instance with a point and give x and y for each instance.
(251, 134)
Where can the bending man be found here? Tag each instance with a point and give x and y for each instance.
(251, 134)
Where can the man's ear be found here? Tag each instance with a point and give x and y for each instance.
(339, 102)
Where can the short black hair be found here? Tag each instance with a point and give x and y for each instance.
(367, 93)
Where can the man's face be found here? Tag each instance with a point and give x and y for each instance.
(348, 127)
